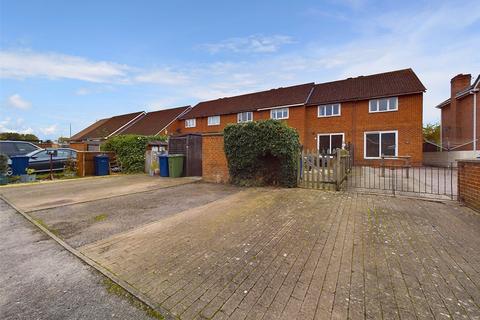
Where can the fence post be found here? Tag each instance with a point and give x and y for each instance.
(338, 164)
(382, 165)
(393, 180)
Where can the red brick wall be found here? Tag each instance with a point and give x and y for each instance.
(214, 161)
(355, 119)
(469, 183)
(353, 122)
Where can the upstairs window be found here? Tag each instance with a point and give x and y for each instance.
(329, 110)
(245, 117)
(278, 114)
(384, 105)
(190, 123)
(214, 120)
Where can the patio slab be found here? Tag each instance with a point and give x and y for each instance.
(305, 254)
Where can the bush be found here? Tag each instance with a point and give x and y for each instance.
(262, 153)
(130, 150)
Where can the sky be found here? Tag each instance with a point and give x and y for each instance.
(68, 63)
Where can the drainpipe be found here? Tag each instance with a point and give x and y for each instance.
(475, 122)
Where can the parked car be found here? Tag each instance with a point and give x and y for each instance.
(16, 148)
(40, 159)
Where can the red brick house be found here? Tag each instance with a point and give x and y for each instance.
(460, 118)
(377, 114)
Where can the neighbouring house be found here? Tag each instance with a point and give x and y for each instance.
(90, 138)
(377, 115)
(460, 117)
(160, 122)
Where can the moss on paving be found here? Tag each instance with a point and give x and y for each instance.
(43, 224)
(100, 217)
(117, 290)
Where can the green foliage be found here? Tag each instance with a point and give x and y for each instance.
(3, 164)
(262, 153)
(431, 132)
(18, 136)
(130, 150)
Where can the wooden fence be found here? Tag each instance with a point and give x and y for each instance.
(323, 171)
(86, 164)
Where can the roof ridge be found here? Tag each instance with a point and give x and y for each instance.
(366, 76)
(257, 92)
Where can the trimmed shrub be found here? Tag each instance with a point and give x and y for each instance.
(3, 164)
(130, 150)
(262, 153)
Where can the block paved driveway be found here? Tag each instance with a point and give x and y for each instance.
(304, 254)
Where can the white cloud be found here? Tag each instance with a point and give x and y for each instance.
(164, 76)
(7, 125)
(253, 43)
(49, 130)
(18, 102)
(27, 64)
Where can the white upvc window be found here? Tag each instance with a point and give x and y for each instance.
(329, 110)
(213, 120)
(383, 105)
(378, 143)
(277, 114)
(328, 142)
(190, 123)
(245, 116)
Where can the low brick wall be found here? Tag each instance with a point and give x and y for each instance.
(214, 162)
(469, 183)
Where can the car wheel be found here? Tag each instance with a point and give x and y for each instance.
(9, 171)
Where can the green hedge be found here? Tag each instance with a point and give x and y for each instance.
(130, 150)
(262, 153)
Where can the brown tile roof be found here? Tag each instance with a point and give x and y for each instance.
(154, 122)
(398, 82)
(249, 102)
(105, 127)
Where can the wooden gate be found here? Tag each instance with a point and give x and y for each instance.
(323, 171)
(190, 145)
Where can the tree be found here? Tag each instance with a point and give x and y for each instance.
(18, 136)
(63, 139)
(431, 132)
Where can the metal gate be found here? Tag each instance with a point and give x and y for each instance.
(430, 182)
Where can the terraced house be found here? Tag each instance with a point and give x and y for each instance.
(377, 115)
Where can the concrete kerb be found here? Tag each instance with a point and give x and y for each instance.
(92, 263)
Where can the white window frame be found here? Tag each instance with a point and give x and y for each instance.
(210, 121)
(190, 123)
(332, 115)
(378, 105)
(379, 143)
(330, 142)
(273, 111)
(243, 121)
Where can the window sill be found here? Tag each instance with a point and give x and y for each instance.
(382, 111)
(336, 115)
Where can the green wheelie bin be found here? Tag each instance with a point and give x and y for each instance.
(175, 165)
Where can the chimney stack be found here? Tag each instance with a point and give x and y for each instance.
(459, 83)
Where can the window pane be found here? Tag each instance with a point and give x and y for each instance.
(372, 145)
(329, 110)
(324, 144)
(285, 113)
(322, 110)
(388, 144)
(337, 140)
(336, 108)
(392, 103)
(373, 105)
(382, 105)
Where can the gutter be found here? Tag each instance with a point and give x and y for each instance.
(279, 107)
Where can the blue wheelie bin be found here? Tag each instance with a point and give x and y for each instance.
(163, 164)
(101, 165)
(19, 165)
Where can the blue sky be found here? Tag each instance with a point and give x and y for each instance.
(65, 62)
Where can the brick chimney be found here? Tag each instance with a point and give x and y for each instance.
(459, 83)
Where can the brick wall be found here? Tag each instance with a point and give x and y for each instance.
(214, 162)
(469, 183)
